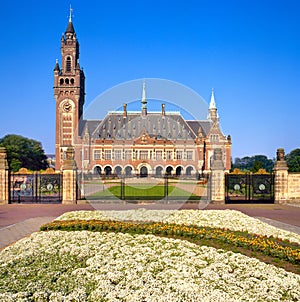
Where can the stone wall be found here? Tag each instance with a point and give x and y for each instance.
(294, 187)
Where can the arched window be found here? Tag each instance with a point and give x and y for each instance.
(128, 171)
(68, 64)
(143, 171)
(107, 170)
(158, 171)
(189, 170)
(97, 170)
(169, 170)
(118, 170)
(179, 171)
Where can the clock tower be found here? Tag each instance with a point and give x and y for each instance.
(69, 93)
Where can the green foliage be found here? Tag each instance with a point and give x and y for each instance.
(256, 166)
(293, 160)
(253, 163)
(23, 152)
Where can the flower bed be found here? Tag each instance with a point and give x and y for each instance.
(93, 266)
(230, 219)
(114, 266)
(268, 246)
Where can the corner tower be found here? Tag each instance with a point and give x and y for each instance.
(69, 93)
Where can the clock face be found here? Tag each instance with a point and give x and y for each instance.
(67, 106)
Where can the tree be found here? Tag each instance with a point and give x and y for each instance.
(23, 152)
(253, 163)
(293, 160)
(257, 165)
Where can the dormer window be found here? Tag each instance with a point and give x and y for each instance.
(68, 64)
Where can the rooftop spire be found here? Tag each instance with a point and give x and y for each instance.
(71, 11)
(56, 68)
(212, 112)
(70, 28)
(212, 104)
(144, 101)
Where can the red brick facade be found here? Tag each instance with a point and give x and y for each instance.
(136, 143)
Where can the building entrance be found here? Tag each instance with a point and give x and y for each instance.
(143, 172)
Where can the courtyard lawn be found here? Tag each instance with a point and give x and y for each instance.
(143, 191)
(113, 266)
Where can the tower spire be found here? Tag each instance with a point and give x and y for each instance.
(212, 111)
(212, 104)
(144, 101)
(70, 28)
(71, 11)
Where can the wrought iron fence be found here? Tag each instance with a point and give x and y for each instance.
(35, 187)
(148, 188)
(247, 188)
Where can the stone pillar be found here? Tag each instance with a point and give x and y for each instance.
(69, 169)
(281, 178)
(4, 177)
(217, 178)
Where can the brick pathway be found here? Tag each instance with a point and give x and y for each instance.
(20, 220)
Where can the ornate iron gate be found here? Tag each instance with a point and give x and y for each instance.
(35, 187)
(249, 188)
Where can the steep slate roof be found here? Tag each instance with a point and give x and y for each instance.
(70, 28)
(172, 126)
(89, 126)
(205, 125)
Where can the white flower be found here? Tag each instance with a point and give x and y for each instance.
(230, 219)
(116, 266)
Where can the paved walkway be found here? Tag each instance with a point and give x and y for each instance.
(20, 220)
(14, 232)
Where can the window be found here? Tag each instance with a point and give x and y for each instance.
(144, 154)
(68, 64)
(107, 154)
(169, 155)
(118, 154)
(214, 137)
(179, 154)
(128, 154)
(189, 154)
(158, 155)
(97, 154)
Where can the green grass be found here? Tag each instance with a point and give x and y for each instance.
(143, 192)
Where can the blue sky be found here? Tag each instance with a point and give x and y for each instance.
(249, 51)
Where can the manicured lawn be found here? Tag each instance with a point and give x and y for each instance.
(143, 192)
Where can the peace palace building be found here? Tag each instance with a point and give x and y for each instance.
(130, 143)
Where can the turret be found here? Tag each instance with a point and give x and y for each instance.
(212, 112)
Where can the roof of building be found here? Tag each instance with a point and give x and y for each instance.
(172, 126)
(70, 28)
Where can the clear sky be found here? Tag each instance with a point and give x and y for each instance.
(248, 51)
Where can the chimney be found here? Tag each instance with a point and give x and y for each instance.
(124, 110)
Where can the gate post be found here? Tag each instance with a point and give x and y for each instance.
(4, 177)
(281, 178)
(217, 178)
(69, 168)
